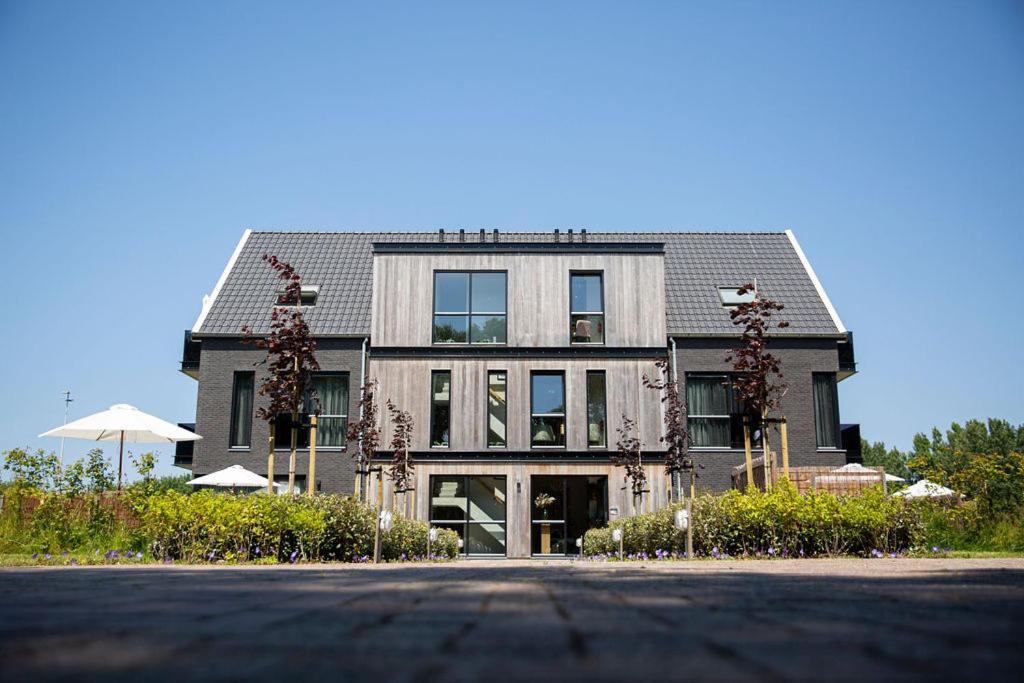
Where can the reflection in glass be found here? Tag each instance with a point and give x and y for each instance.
(488, 293)
(448, 498)
(451, 292)
(597, 434)
(486, 499)
(548, 393)
(440, 407)
(487, 329)
(472, 506)
(486, 539)
(496, 409)
(586, 294)
(450, 329)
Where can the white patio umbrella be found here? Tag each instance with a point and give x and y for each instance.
(926, 489)
(233, 477)
(121, 423)
(857, 468)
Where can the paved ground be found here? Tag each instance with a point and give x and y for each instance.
(474, 621)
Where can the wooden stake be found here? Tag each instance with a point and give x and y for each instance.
(311, 483)
(689, 528)
(785, 449)
(291, 457)
(746, 449)
(270, 460)
(380, 506)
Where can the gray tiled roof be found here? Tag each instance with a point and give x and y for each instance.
(341, 263)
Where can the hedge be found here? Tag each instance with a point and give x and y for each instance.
(207, 526)
(782, 523)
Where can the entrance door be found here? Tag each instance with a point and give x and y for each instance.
(563, 509)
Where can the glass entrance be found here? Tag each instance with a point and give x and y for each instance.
(563, 509)
(474, 508)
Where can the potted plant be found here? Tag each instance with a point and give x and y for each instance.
(543, 501)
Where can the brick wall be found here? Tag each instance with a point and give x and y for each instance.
(220, 359)
(799, 358)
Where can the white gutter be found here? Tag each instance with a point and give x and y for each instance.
(209, 299)
(817, 283)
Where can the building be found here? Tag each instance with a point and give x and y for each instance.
(517, 355)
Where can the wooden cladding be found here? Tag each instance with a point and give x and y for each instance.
(538, 293)
(408, 382)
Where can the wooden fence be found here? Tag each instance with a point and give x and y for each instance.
(815, 478)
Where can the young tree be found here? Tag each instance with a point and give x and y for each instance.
(365, 432)
(99, 471)
(291, 360)
(401, 468)
(628, 456)
(759, 381)
(675, 437)
(38, 470)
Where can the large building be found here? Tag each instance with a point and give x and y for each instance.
(518, 354)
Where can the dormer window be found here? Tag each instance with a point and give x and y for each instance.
(308, 297)
(731, 296)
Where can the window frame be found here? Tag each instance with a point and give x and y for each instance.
(469, 314)
(466, 521)
(234, 408)
(304, 417)
(834, 390)
(601, 313)
(487, 408)
(732, 402)
(563, 414)
(433, 407)
(306, 289)
(604, 376)
(733, 289)
(348, 396)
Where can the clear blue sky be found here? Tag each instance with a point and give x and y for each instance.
(137, 144)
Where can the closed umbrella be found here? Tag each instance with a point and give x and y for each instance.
(121, 423)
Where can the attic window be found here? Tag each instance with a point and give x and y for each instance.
(731, 296)
(308, 297)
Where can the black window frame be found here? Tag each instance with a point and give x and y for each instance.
(834, 390)
(308, 296)
(433, 408)
(487, 408)
(735, 415)
(604, 376)
(466, 522)
(564, 414)
(469, 314)
(233, 425)
(589, 314)
(283, 422)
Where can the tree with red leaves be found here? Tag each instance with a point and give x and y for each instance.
(628, 456)
(365, 432)
(401, 468)
(675, 437)
(290, 361)
(759, 380)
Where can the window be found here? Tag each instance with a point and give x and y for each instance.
(470, 308)
(307, 297)
(440, 408)
(241, 410)
(474, 508)
(331, 390)
(547, 410)
(714, 412)
(597, 421)
(826, 410)
(731, 296)
(586, 308)
(497, 408)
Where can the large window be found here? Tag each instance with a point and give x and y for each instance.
(470, 308)
(497, 408)
(473, 507)
(597, 408)
(331, 392)
(586, 308)
(714, 413)
(440, 408)
(547, 409)
(826, 410)
(241, 410)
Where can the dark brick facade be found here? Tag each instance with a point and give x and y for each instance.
(799, 358)
(220, 359)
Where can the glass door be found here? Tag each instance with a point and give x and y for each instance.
(474, 507)
(563, 509)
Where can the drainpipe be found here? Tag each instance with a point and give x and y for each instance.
(362, 383)
(677, 483)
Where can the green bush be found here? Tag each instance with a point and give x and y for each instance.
(782, 523)
(208, 526)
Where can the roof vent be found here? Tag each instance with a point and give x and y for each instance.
(570, 234)
(483, 237)
(495, 234)
(440, 235)
(583, 235)
(556, 234)
(462, 234)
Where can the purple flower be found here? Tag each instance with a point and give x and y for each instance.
(47, 556)
(35, 556)
(946, 550)
(138, 556)
(893, 555)
(771, 552)
(935, 548)
(291, 558)
(65, 553)
(257, 551)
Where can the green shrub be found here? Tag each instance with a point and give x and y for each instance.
(782, 522)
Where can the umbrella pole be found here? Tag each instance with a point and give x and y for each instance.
(120, 462)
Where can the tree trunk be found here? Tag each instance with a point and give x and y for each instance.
(270, 460)
(291, 457)
(766, 451)
(311, 478)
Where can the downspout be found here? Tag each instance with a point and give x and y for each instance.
(677, 483)
(362, 395)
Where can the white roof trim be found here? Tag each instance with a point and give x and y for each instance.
(210, 298)
(817, 283)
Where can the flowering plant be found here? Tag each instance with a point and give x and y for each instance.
(543, 500)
